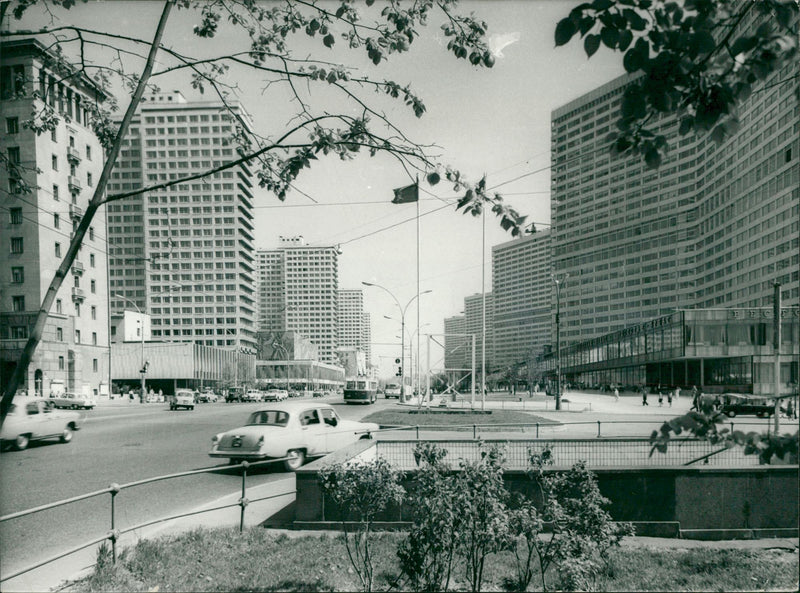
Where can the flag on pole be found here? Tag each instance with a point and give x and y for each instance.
(407, 194)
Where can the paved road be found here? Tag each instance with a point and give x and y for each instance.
(120, 443)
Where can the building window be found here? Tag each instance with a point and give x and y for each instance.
(56, 220)
(77, 309)
(94, 338)
(17, 245)
(54, 162)
(77, 336)
(53, 135)
(60, 334)
(55, 193)
(60, 363)
(88, 152)
(92, 286)
(89, 179)
(12, 125)
(91, 233)
(94, 312)
(58, 249)
(18, 303)
(91, 260)
(17, 275)
(16, 215)
(58, 306)
(13, 155)
(94, 365)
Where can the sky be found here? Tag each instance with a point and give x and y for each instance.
(493, 122)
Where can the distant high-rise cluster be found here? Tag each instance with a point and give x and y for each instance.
(184, 253)
(354, 330)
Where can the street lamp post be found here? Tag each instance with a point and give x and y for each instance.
(142, 369)
(402, 332)
(558, 283)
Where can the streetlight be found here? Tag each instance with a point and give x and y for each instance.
(402, 332)
(558, 283)
(142, 369)
(411, 355)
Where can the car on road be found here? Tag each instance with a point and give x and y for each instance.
(38, 419)
(183, 398)
(207, 396)
(253, 395)
(733, 405)
(73, 401)
(276, 395)
(295, 430)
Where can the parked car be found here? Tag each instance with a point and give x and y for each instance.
(234, 394)
(183, 398)
(37, 419)
(276, 395)
(734, 405)
(295, 430)
(73, 401)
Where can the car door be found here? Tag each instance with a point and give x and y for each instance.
(311, 432)
(336, 435)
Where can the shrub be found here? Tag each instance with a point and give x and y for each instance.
(362, 490)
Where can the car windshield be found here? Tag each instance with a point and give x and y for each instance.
(269, 417)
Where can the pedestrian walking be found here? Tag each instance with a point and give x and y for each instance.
(695, 396)
(677, 393)
(644, 396)
(616, 394)
(669, 398)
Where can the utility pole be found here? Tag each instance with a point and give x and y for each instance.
(558, 283)
(776, 346)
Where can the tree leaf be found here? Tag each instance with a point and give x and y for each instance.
(743, 44)
(635, 20)
(652, 157)
(610, 37)
(564, 31)
(591, 44)
(625, 39)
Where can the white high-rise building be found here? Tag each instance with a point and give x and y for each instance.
(184, 254)
(298, 291)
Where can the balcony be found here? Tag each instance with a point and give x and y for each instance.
(74, 183)
(77, 268)
(77, 294)
(75, 212)
(73, 155)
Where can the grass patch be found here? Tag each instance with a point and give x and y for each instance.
(406, 418)
(263, 560)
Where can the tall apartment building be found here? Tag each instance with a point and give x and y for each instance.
(473, 324)
(366, 337)
(521, 287)
(44, 192)
(354, 328)
(714, 226)
(185, 253)
(457, 348)
(298, 291)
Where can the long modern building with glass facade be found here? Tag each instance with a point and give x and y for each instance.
(718, 350)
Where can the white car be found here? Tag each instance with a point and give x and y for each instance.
(73, 401)
(253, 395)
(296, 430)
(183, 398)
(276, 395)
(33, 420)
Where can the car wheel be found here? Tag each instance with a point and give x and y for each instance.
(66, 435)
(760, 414)
(191, 407)
(730, 414)
(21, 442)
(295, 459)
(171, 407)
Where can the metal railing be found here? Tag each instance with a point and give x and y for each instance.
(609, 452)
(114, 534)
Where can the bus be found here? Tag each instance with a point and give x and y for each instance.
(361, 390)
(392, 390)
